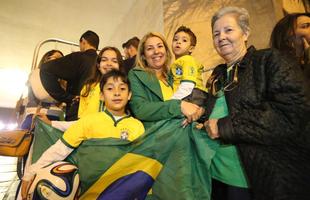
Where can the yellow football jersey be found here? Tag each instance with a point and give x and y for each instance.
(187, 68)
(102, 125)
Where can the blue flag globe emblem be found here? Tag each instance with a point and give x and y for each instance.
(178, 71)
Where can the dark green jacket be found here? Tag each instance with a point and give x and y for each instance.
(147, 102)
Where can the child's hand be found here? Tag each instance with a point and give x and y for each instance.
(24, 188)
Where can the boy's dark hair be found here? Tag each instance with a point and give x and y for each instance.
(115, 74)
(91, 37)
(132, 42)
(192, 36)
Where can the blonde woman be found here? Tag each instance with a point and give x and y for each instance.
(151, 84)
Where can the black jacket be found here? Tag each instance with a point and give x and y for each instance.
(129, 63)
(268, 114)
(306, 65)
(75, 68)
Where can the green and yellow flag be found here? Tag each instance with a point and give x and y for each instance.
(167, 162)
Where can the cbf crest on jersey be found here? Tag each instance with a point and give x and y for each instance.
(124, 135)
(178, 70)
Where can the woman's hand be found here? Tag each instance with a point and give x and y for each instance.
(191, 111)
(76, 99)
(212, 128)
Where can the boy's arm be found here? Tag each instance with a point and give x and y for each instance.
(57, 152)
(62, 125)
(184, 90)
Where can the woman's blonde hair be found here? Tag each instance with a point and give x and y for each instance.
(141, 61)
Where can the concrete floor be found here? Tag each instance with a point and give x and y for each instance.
(8, 178)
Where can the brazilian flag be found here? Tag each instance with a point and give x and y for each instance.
(167, 162)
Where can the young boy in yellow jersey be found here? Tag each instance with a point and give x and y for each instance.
(186, 70)
(114, 122)
(187, 75)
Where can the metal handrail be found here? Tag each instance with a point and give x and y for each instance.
(37, 49)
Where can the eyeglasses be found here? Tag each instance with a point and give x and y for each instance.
(223, 82)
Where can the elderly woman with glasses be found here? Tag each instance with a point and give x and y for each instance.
(268, 108)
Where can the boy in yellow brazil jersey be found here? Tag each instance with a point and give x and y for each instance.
(114, 122)
(186, 70)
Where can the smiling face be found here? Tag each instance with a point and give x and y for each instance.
(155, 53)
(108, 61)
(228, 38)
(181, 44)
(115, 95)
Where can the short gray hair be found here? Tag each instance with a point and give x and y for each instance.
(242, 16)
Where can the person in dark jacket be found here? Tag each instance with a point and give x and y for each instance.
(291, 36)
(130, 48)
(269, 110)
(33, 104)
(73, 68)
